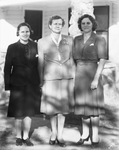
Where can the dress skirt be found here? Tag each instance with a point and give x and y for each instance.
(57, 96)
(87, 102)
(24, 101)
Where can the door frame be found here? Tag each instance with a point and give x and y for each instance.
(34, 9)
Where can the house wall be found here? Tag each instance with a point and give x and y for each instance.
(14, 15)
(10, 18)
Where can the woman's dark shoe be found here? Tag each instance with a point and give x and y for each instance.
(95, 143)
(19, 142)
(61, 143)
(81, 141)
(52, 142)
(27, 142)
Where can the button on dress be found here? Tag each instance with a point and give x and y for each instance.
(22, 79)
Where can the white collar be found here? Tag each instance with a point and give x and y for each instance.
(57, 43)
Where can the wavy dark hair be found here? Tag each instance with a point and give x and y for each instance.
(94, 27)
(24, 24)
(55, 18)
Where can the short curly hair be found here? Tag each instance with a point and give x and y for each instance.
(24, 24)
(90, 18)
(55, 18)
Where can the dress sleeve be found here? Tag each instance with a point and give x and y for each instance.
(8, 68)
(102, 48)
(41, 61)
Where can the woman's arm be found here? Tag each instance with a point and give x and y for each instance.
(8, 67)
(102, 56)
(100, 68)
(41, 62)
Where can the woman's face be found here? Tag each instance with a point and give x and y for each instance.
(56, 26)
(24, 33)
(86, 25)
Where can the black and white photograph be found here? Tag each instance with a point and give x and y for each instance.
(59, 74)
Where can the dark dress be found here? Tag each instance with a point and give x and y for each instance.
(86, 56)
(22, 79)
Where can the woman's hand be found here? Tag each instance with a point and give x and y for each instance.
(95, 81)
(94, 84)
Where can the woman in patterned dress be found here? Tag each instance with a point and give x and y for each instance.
(90, 55)
(56, 63)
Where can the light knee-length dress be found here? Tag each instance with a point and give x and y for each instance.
(57, 71)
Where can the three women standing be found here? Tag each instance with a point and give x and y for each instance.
(90, 55)
(56, 76)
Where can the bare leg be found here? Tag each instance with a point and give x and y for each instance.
(26, 127)
(18, 126)
(85, 128)
(61, 121)
(95, 128)
(53, 121)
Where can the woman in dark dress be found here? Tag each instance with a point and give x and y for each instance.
(22, 79)
(90, 55)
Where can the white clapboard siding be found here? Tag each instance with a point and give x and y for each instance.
(14, 15)
(115, 12)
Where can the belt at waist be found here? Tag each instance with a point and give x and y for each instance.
(79, 62)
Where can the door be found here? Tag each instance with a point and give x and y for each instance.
(34, 18)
